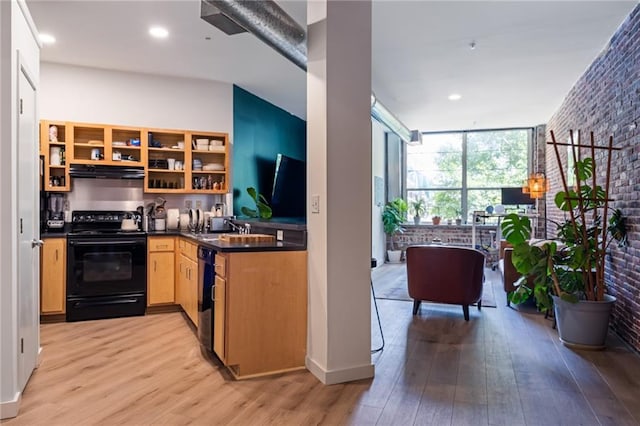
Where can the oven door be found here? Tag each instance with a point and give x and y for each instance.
(106, 266)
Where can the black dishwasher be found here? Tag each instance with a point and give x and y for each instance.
(206, 276)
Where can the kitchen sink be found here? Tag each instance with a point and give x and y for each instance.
(208, 239)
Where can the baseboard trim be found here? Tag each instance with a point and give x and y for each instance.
(39, 358)
(163, 309)
(332, 377)
(9, 409)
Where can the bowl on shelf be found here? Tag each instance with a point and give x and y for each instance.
(213, 167)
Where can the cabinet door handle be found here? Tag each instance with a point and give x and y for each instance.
(155, 264)
(56, 255)
(163, 246)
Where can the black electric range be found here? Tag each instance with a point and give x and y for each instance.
(106, 266)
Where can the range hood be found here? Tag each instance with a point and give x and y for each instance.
(100, 171)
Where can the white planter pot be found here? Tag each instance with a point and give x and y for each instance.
(584, 324)
(394, 256)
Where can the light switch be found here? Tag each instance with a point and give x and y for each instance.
(315, 204)
(279, 235)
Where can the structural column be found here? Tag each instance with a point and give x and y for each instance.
(339, 189)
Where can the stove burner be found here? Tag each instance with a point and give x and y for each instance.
(97, 222)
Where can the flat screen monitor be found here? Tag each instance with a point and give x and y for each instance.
(289, 195)
(515, 197)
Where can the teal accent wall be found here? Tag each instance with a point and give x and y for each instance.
(261, 130)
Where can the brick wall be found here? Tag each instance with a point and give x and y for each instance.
(606, 101)
(457, 235)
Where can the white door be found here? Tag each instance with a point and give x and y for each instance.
(28, 229)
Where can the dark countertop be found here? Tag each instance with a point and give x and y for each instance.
(56, 233)
(228, 247)
(210, 240)
(205, 239)
(292, 233)
(284, 223)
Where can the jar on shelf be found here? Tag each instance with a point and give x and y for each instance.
(53, 133)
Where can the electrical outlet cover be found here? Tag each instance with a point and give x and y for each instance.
(188, 204)
(198, 204)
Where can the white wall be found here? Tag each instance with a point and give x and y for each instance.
(72, 93)
(378, 238)
(17, 35)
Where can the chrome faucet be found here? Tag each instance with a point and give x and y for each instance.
(233, 226)
(245, 229)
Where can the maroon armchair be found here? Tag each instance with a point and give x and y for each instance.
(445, 274)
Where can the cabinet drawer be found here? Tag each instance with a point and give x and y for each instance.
(192, 251)
(221, 266)
(161, 244)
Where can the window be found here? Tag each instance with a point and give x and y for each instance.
(459, 172)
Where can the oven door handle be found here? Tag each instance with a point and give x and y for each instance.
(105, 302)
(109, 242)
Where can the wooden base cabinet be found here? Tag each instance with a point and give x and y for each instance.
(260, 318)
(187, 279)
(160, 271)
(53, 276)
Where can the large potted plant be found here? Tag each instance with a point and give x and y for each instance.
(393, 216)
(568, 272)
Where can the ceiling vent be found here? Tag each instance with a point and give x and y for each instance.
(212, 15)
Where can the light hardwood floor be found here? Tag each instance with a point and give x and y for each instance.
(503, 367)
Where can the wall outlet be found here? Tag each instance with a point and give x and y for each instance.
(279, 235)
(188, 204)
(315, 203)
(198, 204)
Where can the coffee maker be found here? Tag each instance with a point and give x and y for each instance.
(55, 211)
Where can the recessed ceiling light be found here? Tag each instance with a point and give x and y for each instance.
(455, 97)
(47, 38)
(159, 32)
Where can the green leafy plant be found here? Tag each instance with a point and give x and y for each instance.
(262, 210)
(418, 206)
(393, 215)
(571, 266)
